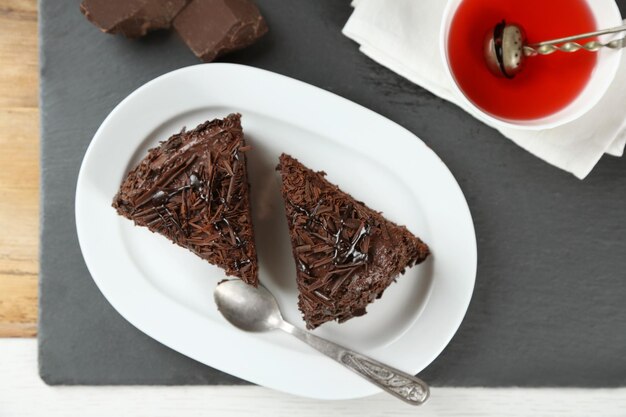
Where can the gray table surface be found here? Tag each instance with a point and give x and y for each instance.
(549, 307)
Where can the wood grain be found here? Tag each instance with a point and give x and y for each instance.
(19, 172)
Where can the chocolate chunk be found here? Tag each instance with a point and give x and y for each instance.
(215, 27)
(193, 189)
(346, 253)
(131, 18)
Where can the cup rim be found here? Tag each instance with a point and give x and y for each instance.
(532, 124)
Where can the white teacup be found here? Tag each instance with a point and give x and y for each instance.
(607, 15)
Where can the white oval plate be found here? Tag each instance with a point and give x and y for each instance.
(167, 292)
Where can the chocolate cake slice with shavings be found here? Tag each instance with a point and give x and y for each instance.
(346, 253)
(193, 189)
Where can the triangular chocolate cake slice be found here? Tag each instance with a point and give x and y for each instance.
(193, 189)
(346, 253)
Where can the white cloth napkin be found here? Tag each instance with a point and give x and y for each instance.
(403, 36)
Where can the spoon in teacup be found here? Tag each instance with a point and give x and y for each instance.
(505, 47)
(256, 310)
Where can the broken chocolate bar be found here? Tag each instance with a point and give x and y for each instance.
(131, 18)
(214, 27)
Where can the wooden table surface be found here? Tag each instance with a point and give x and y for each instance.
(19, 168)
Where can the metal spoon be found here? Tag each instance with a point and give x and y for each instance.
(505, 48)
(256, 310)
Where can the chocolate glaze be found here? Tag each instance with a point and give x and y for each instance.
(193, 189)
(215, 27)
(131, 18)
(346, 254)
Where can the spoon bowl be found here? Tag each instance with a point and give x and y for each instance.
(503, 49)
(248, 308)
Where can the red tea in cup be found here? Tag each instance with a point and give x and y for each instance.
(548, 83)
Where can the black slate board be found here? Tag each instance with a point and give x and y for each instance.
(549, 307)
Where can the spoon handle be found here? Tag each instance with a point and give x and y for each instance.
(397, 383)
(591, 46)
(616, 29)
